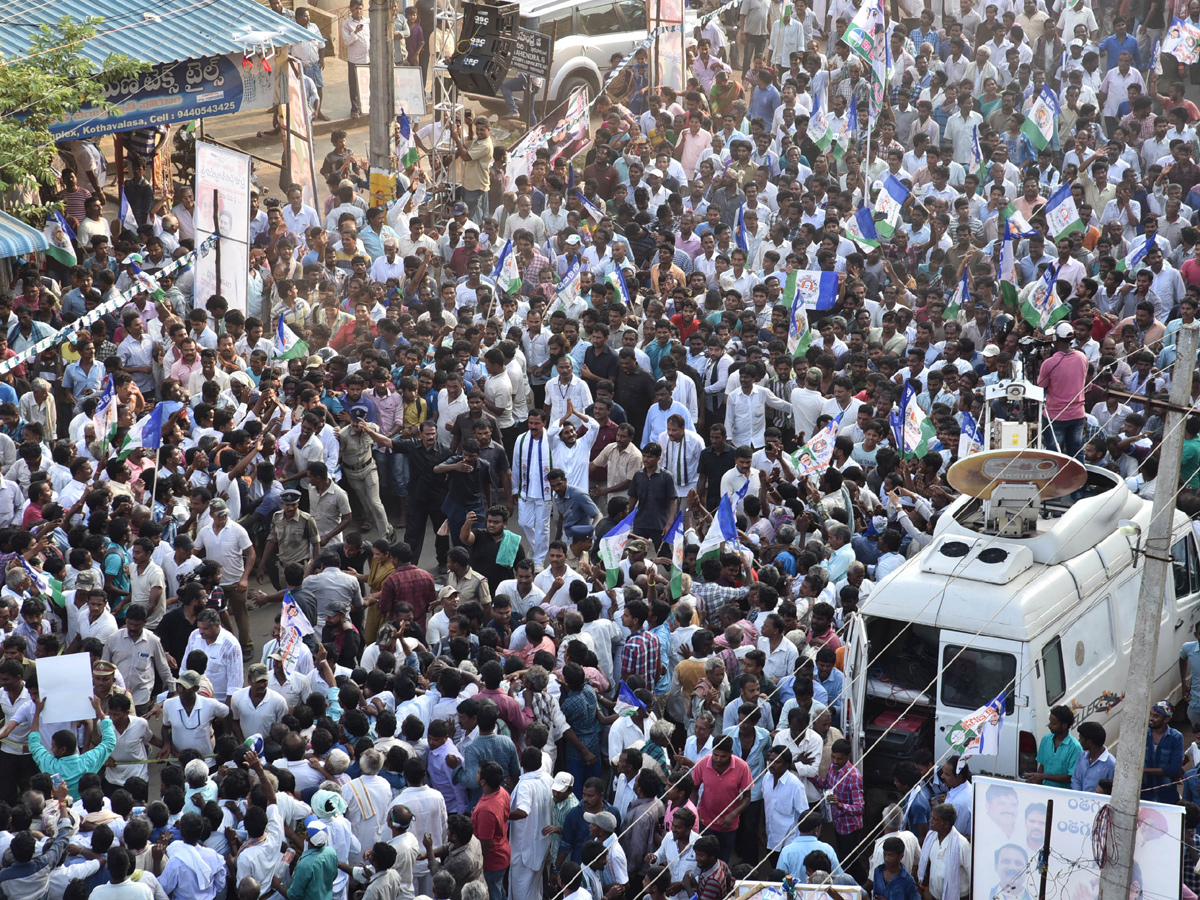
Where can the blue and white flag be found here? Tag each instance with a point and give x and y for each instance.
(589, 207)
(627, 702)
(970, 438)
(1130, 263)
(617, 279)
(891, 199)
(125, 215)
(675, 537)
(961, 295)
(612, 548)
(722, 530)
(506, 275)
(861, 229)
(1062, 215)
(740, 232)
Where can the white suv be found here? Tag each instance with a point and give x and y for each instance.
(588, 34)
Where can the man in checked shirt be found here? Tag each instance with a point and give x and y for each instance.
(843, 786)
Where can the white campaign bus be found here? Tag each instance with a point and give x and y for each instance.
(1029, 589)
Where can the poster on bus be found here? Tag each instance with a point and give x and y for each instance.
(1009, 825)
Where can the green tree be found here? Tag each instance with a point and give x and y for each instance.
(49, 83)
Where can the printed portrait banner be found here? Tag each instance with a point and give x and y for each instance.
(226, 172)
(1009, 826)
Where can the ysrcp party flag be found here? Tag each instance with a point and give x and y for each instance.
(1039, 123)
(861, 229)
(891, 198)
(675, 537)
(1044, 307)
(961, 295)
(612, 546)
(627, 702)
(813, 458)
(60, 237)
(970, 438)
(1062, 216)
(406, 148)
(506, 275)
(818, 127)
(916, 429)
(287, 345)
(978, 734)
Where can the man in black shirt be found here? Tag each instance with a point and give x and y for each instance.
(179, 621)
(715, 460)
(494, 549)
(635, 388)
(599, 362)
(469, 486)
(653, 493)
(426, 492)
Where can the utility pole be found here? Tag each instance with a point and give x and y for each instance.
(383, 100)
(1156, 551)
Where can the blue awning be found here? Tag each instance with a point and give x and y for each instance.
(166, 31)
(19, 239)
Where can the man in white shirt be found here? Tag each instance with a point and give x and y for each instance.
(945, 857)
(227, 544)
(188, 717)
(224, 654)
(530, 812)
(256, 707)
(428, 807)
(681, 454)
(745, 408)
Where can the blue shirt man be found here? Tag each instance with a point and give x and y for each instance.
(791, 860)
(1116, 44)
(1095, 762)
(765, 99)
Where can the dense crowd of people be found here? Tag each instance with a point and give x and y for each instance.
(522, 708)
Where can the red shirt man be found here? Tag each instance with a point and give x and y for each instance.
(726, 780)
(490, 818)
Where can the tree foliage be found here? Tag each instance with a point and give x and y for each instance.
(51, 81)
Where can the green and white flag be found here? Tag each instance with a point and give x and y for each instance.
(1008, 269)
(287, 345)
(1039, 122)
(506, 275)
(674, 537)
(818, 127)
(1062, 216)
(612, 548)
(59, 236)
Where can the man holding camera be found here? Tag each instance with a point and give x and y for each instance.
(358, 439)
(1064, 375)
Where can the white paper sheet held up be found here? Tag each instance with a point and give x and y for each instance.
(66, 683)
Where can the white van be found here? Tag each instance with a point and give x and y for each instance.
(1044, 616)
(587, 34)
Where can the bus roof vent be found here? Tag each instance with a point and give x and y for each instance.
(978, 559)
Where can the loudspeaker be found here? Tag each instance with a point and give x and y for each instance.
(490, 19)
(484, 66)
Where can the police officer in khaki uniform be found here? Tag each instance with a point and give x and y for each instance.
(358, 439)
(294, 536)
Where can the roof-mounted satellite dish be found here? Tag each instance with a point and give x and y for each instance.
(1054, 474)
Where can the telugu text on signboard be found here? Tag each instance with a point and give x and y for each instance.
(534, 53)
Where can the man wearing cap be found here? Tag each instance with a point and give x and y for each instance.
(317, 867)
(138, 654)
(188, 717)
(228, 544)
(294, 535)
(1064, 376)
(256, 707)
